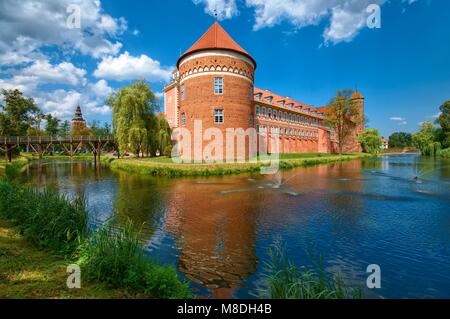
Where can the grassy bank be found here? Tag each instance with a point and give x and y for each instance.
(163, 166)
(29, 272)
(58, 226)
(13, 168)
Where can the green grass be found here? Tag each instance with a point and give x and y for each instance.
(27, 272)
(163, 166)
(14, 168)
(45, 218)
(112, 256)
(285, 280)
(116, 256)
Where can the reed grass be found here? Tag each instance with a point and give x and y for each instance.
(116, 256)
(286, 280)
(46, 218)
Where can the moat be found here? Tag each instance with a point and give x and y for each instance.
(217, 231)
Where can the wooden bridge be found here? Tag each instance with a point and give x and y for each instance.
(71, 145)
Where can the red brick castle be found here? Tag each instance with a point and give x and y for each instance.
(214, 83)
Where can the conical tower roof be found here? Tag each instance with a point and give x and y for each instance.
(216, 38)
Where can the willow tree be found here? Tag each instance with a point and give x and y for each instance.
(343, 115)
(132, 108)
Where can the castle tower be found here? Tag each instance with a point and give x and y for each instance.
(214, 84)
(78, 122)
(352, 145)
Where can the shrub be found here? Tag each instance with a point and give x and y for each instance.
(168, 151)
(116, 256)
(287, 281)
(446, 153)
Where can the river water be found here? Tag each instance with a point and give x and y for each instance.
(217, 230)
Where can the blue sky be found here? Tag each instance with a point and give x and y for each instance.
(304, 49)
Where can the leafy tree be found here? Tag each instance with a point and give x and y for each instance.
(131, 108)
(64, 128)
(370, 140)
(400, 140)
(52, 126)
(343, 115)
(424, 140)
(161, 134)
(444, 122)
(17, 113)
(100, 131)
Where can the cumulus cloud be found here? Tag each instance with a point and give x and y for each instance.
(62, 73)
(225, 9)
(346, 17)
(101, 89)
(44, 23)
(128, 67)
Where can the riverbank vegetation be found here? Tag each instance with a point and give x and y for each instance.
(371, 141)
(434, 139)
(58, 226)
(163, 166)
(285, 280)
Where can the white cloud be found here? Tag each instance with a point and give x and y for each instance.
(225, 9)
(44, 23)
(101, 89)
(346, 17)
(399, 120)
(127, 67)
(63, 73)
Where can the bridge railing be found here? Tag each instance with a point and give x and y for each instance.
(53, 139)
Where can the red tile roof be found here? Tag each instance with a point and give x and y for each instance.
(216, 38)
(277, 98)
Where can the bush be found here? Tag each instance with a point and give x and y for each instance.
(287, 281)
(46, 218)
(445, 153)
(116, 256)
(168, 151)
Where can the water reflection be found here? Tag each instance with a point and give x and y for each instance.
(217, 230)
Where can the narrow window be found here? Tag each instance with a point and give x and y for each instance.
(269, 113)
(218, 116)
(218, 86)
(183, 91)
(183, 119)
(275, 115)
(264, 111)
(257, 111)
(252, 120)
(280, 115)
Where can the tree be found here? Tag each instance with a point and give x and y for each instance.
(424, 140)
(100, 131)
(17, 113)
(52, 126)
(371, 141)
(64, 128)
(444, 122)
(343, 115)
(132, 108)
(400, 140)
